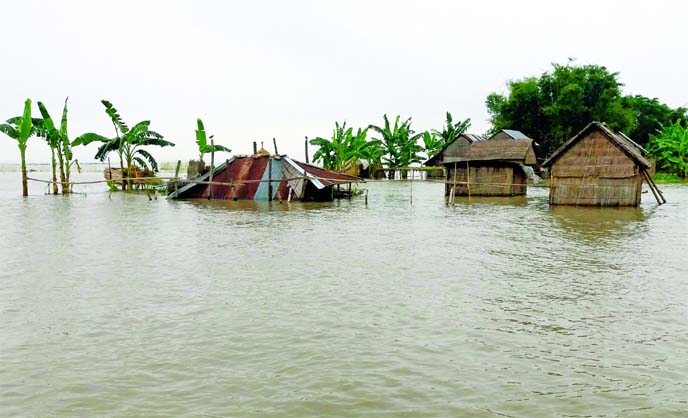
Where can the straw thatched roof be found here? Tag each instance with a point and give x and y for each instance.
(627, 145)
(518, 151)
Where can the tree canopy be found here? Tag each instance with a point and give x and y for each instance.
(555, 106)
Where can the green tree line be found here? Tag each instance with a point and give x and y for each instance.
(554, 106)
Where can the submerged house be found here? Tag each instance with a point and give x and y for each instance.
(490, 168)
(454, 149)
(263, 177)
(597, 167)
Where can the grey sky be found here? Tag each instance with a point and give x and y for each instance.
(254, 70)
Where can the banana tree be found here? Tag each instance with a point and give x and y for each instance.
(669, 147)
(400, 144)
(21, 129)
(345, 148)
(59, 140)
(432, 143)
(451, 130)
(202, 140)
(128, 143)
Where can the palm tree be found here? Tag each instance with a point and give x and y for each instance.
(21, 129)
(400, 144)
(128, 143)
(203, 146)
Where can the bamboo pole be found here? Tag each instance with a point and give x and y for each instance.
(651, 180)
(212, 168)
(653, 187)
(453, 191)
(306, 149)
(269, 179)
(412, 174)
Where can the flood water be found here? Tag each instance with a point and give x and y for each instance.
(120, 306)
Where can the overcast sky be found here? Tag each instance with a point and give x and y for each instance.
(254, 70)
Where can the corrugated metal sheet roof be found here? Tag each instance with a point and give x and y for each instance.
(327, 177)
(474, 137)
(249, 176)
(515, 134)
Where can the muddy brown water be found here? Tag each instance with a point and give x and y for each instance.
(122, 306)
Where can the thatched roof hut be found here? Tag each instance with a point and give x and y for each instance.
(597, 167)
(454, 149)
(491, 168)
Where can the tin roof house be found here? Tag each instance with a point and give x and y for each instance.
(263, 177)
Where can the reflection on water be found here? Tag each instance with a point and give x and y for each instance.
(492, 200)
(260, 206)
(123, 306)
(590, 222)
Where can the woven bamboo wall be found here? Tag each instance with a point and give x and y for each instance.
(486, 181)
(595, 172)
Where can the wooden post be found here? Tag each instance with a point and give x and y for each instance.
(176, 170)
(652, 181)
(468, 180)
(412, 173)
(349, 191)
(212, 168)
(366, 197)
(453, 189)
(653, 186)
(269, 179)
(306, 149)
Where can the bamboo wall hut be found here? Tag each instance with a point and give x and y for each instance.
(455, 149)
(597, 167)
(263, 177)
(491, 168)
